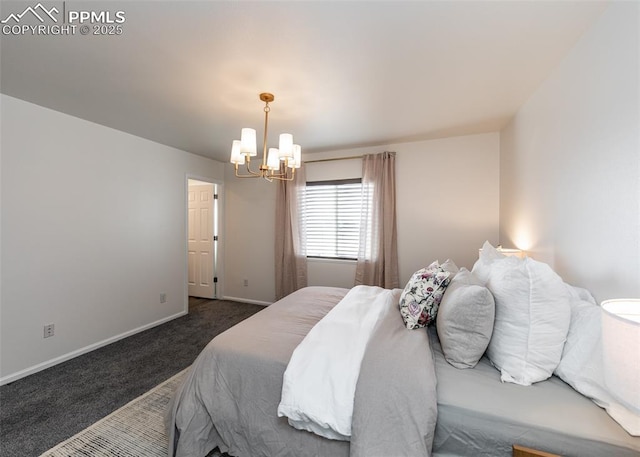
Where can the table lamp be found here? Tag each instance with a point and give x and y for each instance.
(621, 351)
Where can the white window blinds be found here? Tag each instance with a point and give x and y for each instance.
(332, 211)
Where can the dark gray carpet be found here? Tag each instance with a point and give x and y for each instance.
(41, 410)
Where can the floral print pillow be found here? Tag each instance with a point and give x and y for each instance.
(422, 295)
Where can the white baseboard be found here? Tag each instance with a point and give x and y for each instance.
(92, 347)
(247, 300)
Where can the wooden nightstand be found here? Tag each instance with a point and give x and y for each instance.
(521, 451)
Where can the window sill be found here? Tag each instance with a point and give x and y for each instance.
(329, 260)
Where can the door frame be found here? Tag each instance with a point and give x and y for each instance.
(219, 271)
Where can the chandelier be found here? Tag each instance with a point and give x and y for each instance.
(279, 164)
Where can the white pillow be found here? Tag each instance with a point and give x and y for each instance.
(532, 319)
(465, 320)
(581, 365)
(482, 267)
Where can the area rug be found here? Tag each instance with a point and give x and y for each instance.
(134, 430)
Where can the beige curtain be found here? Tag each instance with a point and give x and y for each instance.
(290, 246)
(378, 253)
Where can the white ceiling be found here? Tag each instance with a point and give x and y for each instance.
(344, 74)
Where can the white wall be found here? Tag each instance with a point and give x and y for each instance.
(249, 234)
(448, 202)
(570, 162)
(93, 230)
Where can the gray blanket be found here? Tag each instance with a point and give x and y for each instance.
(230, 396)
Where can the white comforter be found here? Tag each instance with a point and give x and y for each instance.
(319, 383)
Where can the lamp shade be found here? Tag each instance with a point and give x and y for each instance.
(286, 146)
(273, 159)
(248, 142)
(297, 157)
(236, 156)
(621, 350)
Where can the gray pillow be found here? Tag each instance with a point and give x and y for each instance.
(465, 320)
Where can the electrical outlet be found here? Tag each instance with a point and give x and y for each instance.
(163, 297)
(49, 330)
(246, 283)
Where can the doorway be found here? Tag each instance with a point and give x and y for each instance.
(202, 239)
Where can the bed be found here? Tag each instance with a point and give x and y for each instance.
(230, 397)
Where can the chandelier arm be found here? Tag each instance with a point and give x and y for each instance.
(283, 178)
(255, 175)
(252, 174)
(249, 170)
(284, 170)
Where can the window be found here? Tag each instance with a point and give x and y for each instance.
(332, 217)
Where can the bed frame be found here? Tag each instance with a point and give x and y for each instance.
(521, 451)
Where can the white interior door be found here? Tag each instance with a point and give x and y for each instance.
(201, 249)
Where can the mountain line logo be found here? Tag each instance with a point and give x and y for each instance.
(34, 12)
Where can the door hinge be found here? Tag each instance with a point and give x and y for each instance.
(215, 196)
(215, 279)
(215, 238)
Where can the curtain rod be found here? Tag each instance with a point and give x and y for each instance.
(330, 160)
